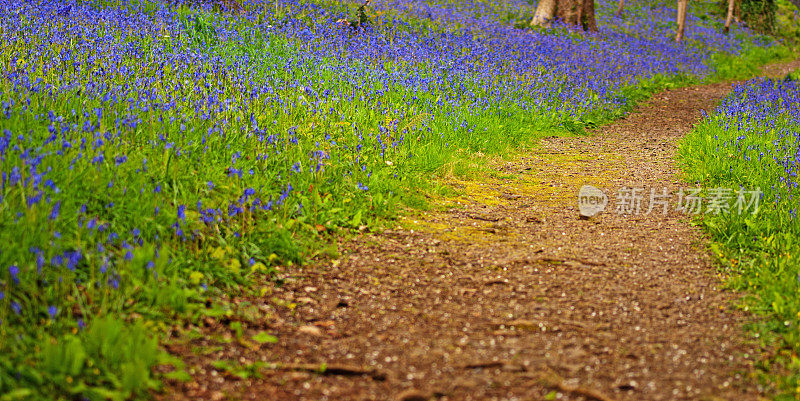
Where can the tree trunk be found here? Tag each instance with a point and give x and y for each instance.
(729, 18)
(620, 7)
(682, 5)
(575, 12)
(545, 11)
(587, 21)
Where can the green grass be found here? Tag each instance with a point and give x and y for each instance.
(759, 253)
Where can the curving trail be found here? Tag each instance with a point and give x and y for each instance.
(507, 294)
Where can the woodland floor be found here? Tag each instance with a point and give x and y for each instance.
(507, 294)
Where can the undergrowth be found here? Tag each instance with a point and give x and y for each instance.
(752, 142)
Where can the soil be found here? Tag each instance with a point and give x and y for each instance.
(507, 293)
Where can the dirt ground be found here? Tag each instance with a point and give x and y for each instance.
(507, 294)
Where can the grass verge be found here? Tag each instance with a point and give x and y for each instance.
(751, 142)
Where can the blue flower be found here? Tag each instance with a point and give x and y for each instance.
(55, 210)
(14, 271)
(52, 311)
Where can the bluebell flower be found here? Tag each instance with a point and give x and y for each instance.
(14, 271)
(55, 210)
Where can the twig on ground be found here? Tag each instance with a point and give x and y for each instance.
(484, 365)
(334, 369)
(482, 218)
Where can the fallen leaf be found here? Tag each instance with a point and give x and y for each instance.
(310, 330)
(263, 337)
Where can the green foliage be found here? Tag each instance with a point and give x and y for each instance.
(788, 21)
(241, 371)
(758, 253)
(759, 15)
(263, 337)
(197, 27)
(747, 65)
(110, 360)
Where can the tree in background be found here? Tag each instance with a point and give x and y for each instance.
(621, 6)
(758, 15)
(729, 17)
(575, 12)
(682, 6)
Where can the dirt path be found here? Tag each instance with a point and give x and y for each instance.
(509, 295)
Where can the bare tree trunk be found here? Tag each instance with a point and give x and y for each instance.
(545, 11)
(620, 7)
(682, 5)
(729, 18)
(586, 20)
(575, 12)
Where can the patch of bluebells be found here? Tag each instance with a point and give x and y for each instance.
(754, 141)
(112, 172)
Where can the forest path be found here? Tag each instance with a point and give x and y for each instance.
(507, 294)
